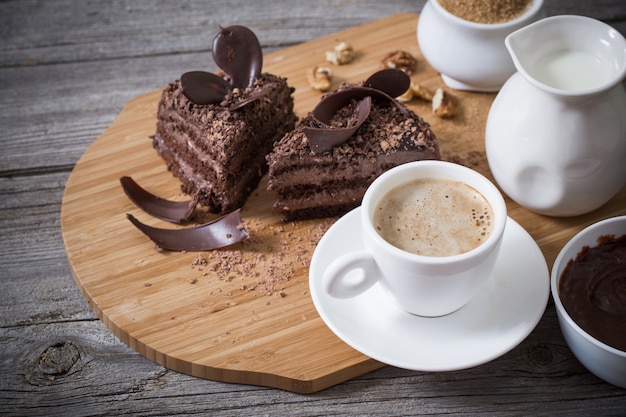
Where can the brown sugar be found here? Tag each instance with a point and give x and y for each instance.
(486, 11)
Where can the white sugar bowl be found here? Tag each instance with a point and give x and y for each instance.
(468, 55)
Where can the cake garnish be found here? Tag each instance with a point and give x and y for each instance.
(203, 87)
(390, 81)
(216, 234)
(172, 211)
(238, 53)
(224, 231)
(381, 87)
(327, 137)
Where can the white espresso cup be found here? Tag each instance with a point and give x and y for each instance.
(423, 284)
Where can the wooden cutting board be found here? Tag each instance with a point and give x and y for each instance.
(244, 314)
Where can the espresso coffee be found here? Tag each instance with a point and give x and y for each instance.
(434, 217)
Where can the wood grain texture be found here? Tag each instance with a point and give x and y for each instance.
(230, 325)
(67, 68)
(224, 326)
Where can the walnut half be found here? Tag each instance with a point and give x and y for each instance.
(401, 60)
(421, 92)
(342, 54)
(320, 78)
(443, 105)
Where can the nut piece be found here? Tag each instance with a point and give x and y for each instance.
(342, 54)
(406, 96)
(320, 78)
(421, 92)
(401, 60)
(443, 106)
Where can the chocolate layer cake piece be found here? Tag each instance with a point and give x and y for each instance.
(323, 167)
(215, 130)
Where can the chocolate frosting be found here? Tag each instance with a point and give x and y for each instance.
(381, 86)
(237, 51)
(225, 231)
(171, 211)
(593, 290)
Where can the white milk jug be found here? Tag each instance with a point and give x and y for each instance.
(556, 131)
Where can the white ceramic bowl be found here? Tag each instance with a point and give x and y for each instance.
(602, 360)
(470, 56)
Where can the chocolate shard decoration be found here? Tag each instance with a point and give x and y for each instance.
(172, 211)
(237, 51)
(324, 139)
(381, 86)
(203, 87)
(391, 81)
(225, 231)
(265, 90)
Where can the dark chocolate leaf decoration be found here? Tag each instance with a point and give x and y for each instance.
(225, 231)
(324, 139)
(203, 87)
(237, 51)
(379, 87)
(391, 81)
(171, 211)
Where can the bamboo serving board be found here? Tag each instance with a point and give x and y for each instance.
(244, 314)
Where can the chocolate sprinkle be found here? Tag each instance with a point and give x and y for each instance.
(222, 232)
(265, 90)
(171, 211)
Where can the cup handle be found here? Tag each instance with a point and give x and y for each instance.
(364, 273)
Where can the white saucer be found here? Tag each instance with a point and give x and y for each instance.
(494, 322)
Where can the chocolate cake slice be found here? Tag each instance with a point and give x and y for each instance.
(215, 130)
(315, 174)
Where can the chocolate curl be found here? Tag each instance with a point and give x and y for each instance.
(225, 231)
(382, 86)
(171, 211)
(237, 51)
(391, 81)
(324, 139)
(203, 87)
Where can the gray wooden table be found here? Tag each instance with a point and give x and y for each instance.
(66, 69)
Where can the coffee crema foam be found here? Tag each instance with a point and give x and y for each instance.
(434, 217)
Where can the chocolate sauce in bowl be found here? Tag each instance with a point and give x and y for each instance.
(592, 289)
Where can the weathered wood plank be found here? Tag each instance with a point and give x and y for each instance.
(89, 69)
(60, 62)
(94, 374)
(91, 31)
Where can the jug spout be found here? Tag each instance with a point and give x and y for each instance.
(569, 55)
